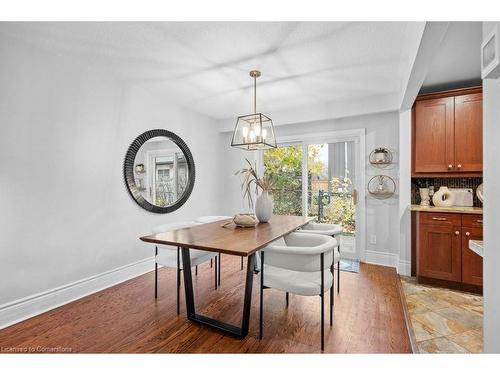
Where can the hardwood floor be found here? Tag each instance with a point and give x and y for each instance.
(126, 318)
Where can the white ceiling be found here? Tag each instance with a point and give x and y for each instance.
(459, 58)
(205, 65)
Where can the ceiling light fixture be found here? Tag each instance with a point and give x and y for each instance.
(255, 131)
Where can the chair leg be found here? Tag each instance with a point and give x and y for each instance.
(338, 277)
(211, 263)
(322, 262)
(286, 299)
(220, 264)
(338, 274)
(261, 312)
(196, 271)
(178, 281)
(215, 268)
(331, 296)
(156, 280)
(242, 263)
(156, 274)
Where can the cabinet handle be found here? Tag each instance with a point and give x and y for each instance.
(459, 166)
(439, 218)
(480, 221)
(450, 166)
(467, 234)
(457, 232)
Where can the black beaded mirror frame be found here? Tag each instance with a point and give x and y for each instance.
(128, 170)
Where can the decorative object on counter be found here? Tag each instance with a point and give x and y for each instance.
(255, 131)
(480, 193)
(381, 186)
(425, 199)
(423, 188)
(451, 182)
(243, 220)
(264, 205)
(443, 197)
(381, 157)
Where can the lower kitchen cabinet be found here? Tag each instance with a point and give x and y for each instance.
(472, 264)
(440, 252)
(442, 249)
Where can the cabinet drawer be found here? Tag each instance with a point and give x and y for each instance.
(439, 218)
(475, 221)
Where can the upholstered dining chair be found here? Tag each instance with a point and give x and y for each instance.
(300, 263)
(331, 230)
(211, 219)
(167, 256)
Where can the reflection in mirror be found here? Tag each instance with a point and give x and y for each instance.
(161, 172)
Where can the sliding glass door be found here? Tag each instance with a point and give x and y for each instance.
(331, 175)
(283, 168)
(317, 179)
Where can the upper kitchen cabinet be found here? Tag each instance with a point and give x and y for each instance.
(433, 132)
(469, 133)
(447, 133)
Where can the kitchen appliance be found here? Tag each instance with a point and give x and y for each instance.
(463, 197)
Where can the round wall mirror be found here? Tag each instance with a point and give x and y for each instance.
(159, 171)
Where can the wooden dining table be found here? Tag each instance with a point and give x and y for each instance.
(232, 240)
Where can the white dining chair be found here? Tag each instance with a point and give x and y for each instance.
(331, 230)
(169, 256)
(296, 264)
(211, 219)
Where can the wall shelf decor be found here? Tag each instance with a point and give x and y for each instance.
(380, 157)
(381, 186)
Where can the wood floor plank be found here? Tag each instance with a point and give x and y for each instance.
(126, 318)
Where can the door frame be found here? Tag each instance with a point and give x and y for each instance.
(358, 136)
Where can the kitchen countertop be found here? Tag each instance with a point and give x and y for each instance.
(477, 247)
(453, 209)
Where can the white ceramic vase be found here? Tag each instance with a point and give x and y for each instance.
(425, 199)
(443, 197)
(264, 207)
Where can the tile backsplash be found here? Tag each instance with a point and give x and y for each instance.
(451, 182)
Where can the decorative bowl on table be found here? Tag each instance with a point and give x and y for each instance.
(243, 221)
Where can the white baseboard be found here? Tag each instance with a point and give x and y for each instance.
(25, 308)
(404, 267)
(381, 258)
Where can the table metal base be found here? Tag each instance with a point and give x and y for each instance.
(239, 332)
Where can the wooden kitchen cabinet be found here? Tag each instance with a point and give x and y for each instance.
(442, 249)
(440, 255)
(434, 134)
(469, 133)
(447, 133)
(472, 264)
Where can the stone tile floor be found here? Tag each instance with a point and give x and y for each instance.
(443, 320)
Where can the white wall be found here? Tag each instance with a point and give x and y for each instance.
(64, 130)
(491, 175)
(382, 219)
(404, 264)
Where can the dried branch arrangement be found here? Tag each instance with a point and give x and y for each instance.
(250, 177)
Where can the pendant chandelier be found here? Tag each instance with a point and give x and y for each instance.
(255, 131)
